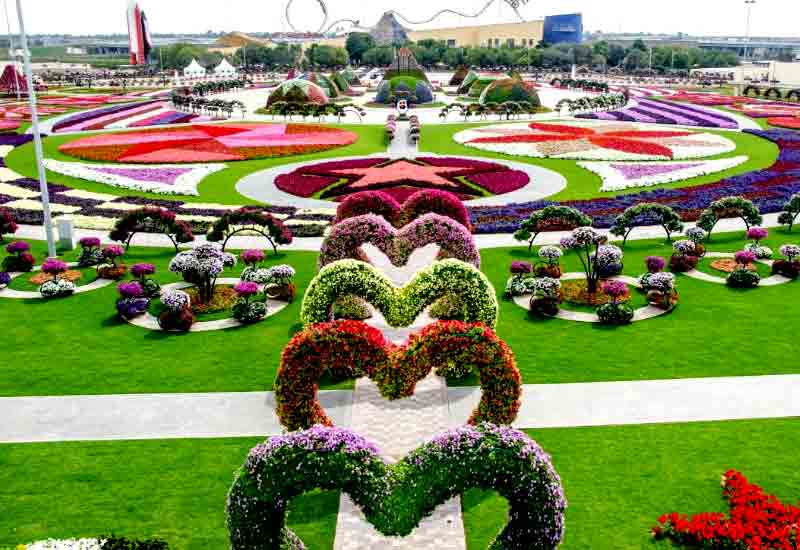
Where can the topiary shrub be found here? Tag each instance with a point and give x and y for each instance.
(345, 350)
(458, 77)
(20, 259)
(468, 81)
(415, 90)
(346, 239)
(250, 220)
(551, 218)
(510, 89)
(478, 86)
(351, 307)
(448, 308)
(644, 215)
(369, 202)
(396, 498)
(151, 219)
(299, 92)
(400, 306)
(729, 207)
(791, 211)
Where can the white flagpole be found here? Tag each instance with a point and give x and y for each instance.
(37, 137)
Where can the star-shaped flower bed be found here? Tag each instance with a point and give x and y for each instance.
(756, 521)
(400, 178)
(595, 141)
(208, 143)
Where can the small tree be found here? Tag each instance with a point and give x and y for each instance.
(151, 219)
(791, 212)
(586, 242)
(729, 207)
(551, 218)
(646, 214)
(201, 266)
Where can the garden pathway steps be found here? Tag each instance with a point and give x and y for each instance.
(398, 427)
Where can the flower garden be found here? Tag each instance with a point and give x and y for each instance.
(429, 356)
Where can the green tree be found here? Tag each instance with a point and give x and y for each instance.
(379, 57)
(358, 43)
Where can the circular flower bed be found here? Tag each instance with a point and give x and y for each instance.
(208, 143)
(594, 141)
(400, 178)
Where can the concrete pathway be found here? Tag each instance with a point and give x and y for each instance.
(200, 415)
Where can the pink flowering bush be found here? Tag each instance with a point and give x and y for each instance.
(742, 276)
(20, 259)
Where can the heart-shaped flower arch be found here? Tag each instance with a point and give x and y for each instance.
(396, 498)
(401, 305)
(352, 349)
(347, 237)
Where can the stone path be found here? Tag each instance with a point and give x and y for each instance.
(199, 415)
(401, 147)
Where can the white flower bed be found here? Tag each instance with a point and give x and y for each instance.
(67, 544)
(184, 184)
(615, 178)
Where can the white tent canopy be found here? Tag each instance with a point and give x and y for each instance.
(194, 70)
(225, 69)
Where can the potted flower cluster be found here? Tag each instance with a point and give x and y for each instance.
(790, 267)
(743, 276)
(608, 261)
(548, 266)
(177, 315)
(90, 252)
(698, 236)
(598, 259)
(132, 301)
(659, 285)
(616, 312)
(758, 234)
(56, 287)
(546, 299)
(520, 282)
(201, 266)
(150, 287)
(246, 310)
(21, 260)
(110, 269)
(277, 279)
(684, 257)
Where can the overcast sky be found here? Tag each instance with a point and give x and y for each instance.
(709, 17)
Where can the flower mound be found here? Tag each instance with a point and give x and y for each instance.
(595, 141)
(400, 178)
(756, 521)
(208, 143)
(346, 238)
(351, 349)
(400, 306)
(396, 498)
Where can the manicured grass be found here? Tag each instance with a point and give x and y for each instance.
(584, 184)
(219, 187)
(78, 346)
(619, 479)
(174, 490)
(23, 282)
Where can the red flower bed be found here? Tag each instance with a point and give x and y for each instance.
(351, 349)
(208, 143)
(785, 122)
(401, 178)
(756, 521)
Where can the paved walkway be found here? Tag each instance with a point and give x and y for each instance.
(199, 415)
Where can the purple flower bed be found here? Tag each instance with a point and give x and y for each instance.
(665, 112)
(170, 117)
(768, 189)
(96, 113)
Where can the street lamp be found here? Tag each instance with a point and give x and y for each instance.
(37, 136)
(749, 4)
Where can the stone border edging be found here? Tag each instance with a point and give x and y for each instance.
(12, 294)
(641, 314)
(150, 322)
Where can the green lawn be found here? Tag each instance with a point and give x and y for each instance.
(584, 184)
(219, 187)
(63, 345)
(174, 490)
(617, 480)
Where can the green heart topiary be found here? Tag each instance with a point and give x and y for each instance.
(401, 306)
(396, 498)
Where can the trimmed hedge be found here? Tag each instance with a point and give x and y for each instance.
(347, 350)
(400, 306)
(396, 498)
(346, 238)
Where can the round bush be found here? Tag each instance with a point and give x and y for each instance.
(743, 278)
(247, 312)
(615, 314)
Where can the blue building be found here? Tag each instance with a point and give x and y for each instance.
(563, 28)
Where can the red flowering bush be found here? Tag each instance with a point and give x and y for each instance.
(151, 219)
(369, 202)
(7, 224)
(352, 349)
(756, 521)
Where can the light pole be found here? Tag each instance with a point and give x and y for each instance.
(749, 4)
(37, 136)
